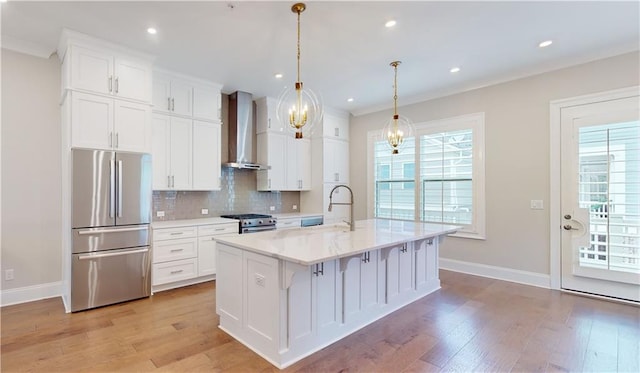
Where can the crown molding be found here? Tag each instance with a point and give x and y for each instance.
(26, 47)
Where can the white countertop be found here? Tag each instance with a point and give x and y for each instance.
(190, 222)
(311, 245)
(293, 215)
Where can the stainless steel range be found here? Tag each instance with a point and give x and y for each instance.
(252, 223)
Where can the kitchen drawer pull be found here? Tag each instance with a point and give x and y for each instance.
(177, 271)
(98, 256)
(176, 233)
(176, 250)
(220, 229)
(115, 230)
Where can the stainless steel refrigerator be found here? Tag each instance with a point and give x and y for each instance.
(111, 215)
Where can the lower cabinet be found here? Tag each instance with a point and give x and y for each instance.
(186, 255)
(361, 288)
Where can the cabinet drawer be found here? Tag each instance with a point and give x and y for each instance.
(178, 270)
(181, 248)
(172, 233)
(214, 229)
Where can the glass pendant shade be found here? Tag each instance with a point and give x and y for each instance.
(396, 131)
(299, 109)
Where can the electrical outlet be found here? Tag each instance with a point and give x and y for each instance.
(8, 274)
(537, 204)
(259, 280)
(160, 214)
(295, 207)
(204, 211)
(272, 208)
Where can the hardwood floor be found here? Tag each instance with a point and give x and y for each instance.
(471, 324)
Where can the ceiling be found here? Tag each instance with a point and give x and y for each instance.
(346, 49)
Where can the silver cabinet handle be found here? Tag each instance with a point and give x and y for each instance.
(112, 187)
(568, 227)
(110, 139)
(117, 85)
(111, 84)
(169, 103)
(119, 189)
(337, 132)
(178, 271)
(173, 104)
(337, 176)
(176, 233)
(98, 256)
(168, 181)
(117, 140)
(269, 123)
(269, 183)
(176, 250)
(173, 181)
(219, 229)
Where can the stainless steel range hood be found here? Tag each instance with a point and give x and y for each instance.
(242, 132)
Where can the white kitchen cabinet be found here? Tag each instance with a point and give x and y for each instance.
(266, 117)
(101, 122)
(335, 127)
(426, 263)
(289, 159)
(207, 245)
(361, 296)
(182, 95)
(288, 223)
(171, 152)
(103, 71)
(336, 161)
(171, 96)
(399, 272)
(206, 155)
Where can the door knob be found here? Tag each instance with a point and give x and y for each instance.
(568, 227)
(567, 216)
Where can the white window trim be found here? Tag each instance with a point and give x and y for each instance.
(474, 121)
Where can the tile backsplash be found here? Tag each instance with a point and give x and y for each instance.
(238, 194)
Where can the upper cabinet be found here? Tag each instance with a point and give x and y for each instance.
(289, 160)
(106, 72)
(334, 126)
(266, 118)
(177, 94)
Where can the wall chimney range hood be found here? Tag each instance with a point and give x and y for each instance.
(242, 132)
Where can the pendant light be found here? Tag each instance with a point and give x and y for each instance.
(399, 128)
(298, 106)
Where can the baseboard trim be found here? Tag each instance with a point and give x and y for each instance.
(30, 293)
(499, 273)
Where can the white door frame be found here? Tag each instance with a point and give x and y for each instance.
(555, 223)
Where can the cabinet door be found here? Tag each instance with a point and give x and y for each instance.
(360, 286)
(132, 80)
(272, 151)
(399, 268)
(161, 95)
(328, 297)
(336, 161)
(266, 119)
(91, 70)
(206, 255)
(180, 160)
(132, 127)
(291, 168)
(91, 121)
(206, 103)
(181, 97)
(335, 127)
(303, 155)
(160, 151)
(206, 156)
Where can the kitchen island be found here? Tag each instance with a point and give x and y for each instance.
(287, 294)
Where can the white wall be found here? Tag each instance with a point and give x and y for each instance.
(31, 181)
(517, 156)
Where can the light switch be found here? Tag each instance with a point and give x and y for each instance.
(204, 211)
(295, 207)
(160, 214)
(272, 208)
(537, 204)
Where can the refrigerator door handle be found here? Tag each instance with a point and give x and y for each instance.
(97, 256)
(112, 187)
(119, 189)
(115, 230)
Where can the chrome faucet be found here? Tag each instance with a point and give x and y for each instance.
(352, 224)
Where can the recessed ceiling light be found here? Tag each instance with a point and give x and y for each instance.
(545, 43)
(278, 76)
(390, 23)
(454, 70)
(350, 99)
(152, 31)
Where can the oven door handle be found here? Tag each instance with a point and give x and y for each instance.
(258, 229)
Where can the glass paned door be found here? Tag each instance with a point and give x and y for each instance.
(601, 198)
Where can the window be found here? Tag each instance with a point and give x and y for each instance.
(439, 179)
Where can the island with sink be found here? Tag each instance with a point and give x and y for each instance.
(287, 294)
